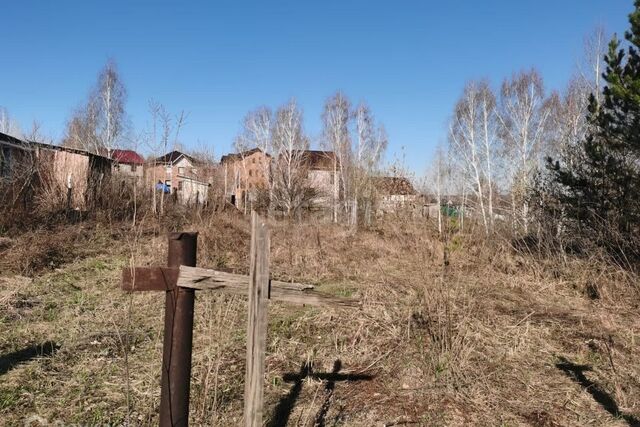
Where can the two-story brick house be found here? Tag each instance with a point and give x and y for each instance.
(182, 174)
(245, 174)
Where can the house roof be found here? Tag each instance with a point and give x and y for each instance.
(172, 157)
(127, 156)
(318, 160)
(393, 185)
(30, 145)
(239, 156)
(10, 139)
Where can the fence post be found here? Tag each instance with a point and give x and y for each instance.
(256, 321)
(178, 336)
(69, 185)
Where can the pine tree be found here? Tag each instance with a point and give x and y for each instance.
(601, 191)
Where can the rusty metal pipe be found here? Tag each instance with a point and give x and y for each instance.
(178, 336)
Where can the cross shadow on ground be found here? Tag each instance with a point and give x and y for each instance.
(286, 404)
(11, 360)
(576, 373)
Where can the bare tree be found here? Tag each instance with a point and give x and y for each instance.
(470, 139)
(369, 146)
(290, 189)
(569, 118)
(257, 132)
(100, 123)
(336, 118)
(438, 182)
(112, 97)
(82, 128)
(440, 173)
(523, 114)
(592, 65)
(489, 137)
(35, 133)
(571, 108)
(8, 125)
(162, 136)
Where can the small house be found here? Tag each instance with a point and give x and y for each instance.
(322, 169)
(127, 163)
(74, 174)
(394, 193)
(182, 174)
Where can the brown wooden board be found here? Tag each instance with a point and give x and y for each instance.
(149, 278)
(295, 293)
(167, 278)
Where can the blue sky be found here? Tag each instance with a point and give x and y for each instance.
(217, 60)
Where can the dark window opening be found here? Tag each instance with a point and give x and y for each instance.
(5, 161)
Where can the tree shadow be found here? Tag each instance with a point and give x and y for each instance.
(9, 361)
(285, 406)
(576, 373)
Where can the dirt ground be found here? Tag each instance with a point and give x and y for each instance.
(490, 337)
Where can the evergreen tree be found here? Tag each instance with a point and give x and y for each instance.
(600, 191)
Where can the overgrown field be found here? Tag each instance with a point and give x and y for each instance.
(492, 336)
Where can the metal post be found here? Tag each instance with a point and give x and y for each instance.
(178, 336)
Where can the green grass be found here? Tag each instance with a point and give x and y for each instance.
(337, 289)
(9, 397)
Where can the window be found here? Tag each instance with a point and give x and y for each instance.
(134, 167)
(5, 161)
(180, 185)
(181, 171)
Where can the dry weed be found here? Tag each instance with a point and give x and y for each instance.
(492, 336)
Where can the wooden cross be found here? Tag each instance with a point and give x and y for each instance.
(180, 280)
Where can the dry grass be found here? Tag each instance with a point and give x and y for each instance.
(495, 337)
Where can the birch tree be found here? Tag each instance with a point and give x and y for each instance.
(336, 118)
(369, 146)
(257, 132)
(8, 125)
(524, 118)
(592, 64)
(438, 178)
(568, 117)
(489, 142)
(99, 124)
(290, 189)
(470, 140)
(111, 96)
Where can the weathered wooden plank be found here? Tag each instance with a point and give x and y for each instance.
(149, 278)
(295, 293)
(166, 278)
(204, 278)
(257, 322)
